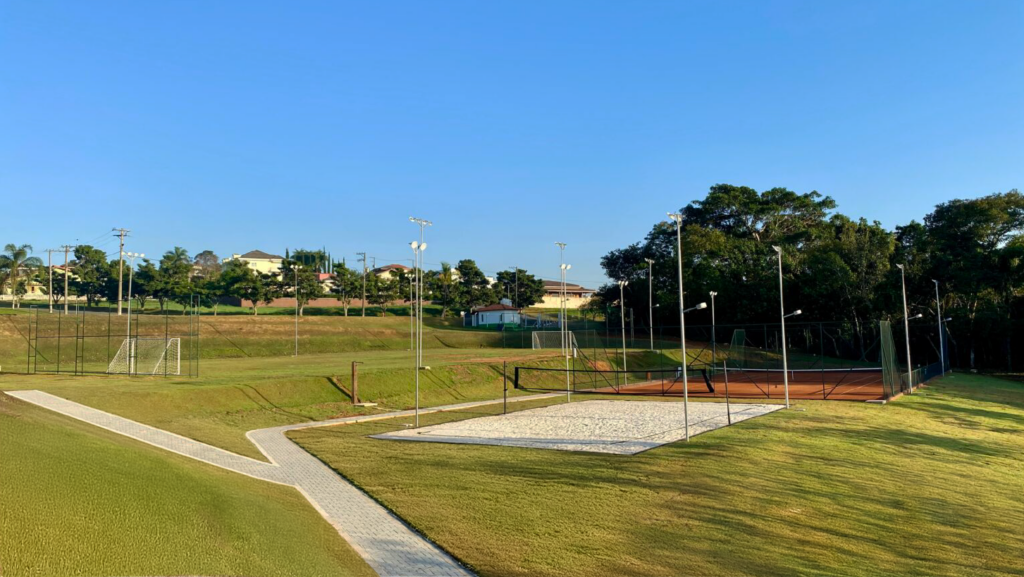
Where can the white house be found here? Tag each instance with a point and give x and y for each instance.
(259, 261)
(502, 313)
(575, 295)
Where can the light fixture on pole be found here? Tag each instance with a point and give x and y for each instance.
(561, 296)
(782, 313)
(678, 219)
(714, 341)
(131, 256)
(296, 271)
(569, 349)
(622, 317)
(650, 298)
(701, 306)
(423, 223)
(906, 328)
(938, 316)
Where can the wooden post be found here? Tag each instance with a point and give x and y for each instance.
(355, 382)
(504, 380)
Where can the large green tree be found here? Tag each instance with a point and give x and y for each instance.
(522, 288)
(90, 273)
(347, 284)
(13, 262)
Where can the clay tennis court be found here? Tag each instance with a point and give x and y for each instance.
(855, 384)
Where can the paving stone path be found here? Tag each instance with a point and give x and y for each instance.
(386, 542)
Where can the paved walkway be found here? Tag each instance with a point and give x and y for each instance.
(386, 542)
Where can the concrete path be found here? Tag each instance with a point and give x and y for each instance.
(386, 542)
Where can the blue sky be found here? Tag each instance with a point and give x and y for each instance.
(511, 125)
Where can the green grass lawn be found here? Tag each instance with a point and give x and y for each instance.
(78, 500)
(931, 484)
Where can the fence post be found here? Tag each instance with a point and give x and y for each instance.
(504, 382)
(355, 382)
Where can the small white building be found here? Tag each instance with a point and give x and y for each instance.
(502, 313)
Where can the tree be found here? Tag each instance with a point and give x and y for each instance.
(92, 273)
(381, 290)
(474, 288)
(207, 265)
(15, 258)
(308, 281)
(176, 276)
(442, 284)
(523, 289)
(143, 282)
(347, 284)
(244, 283)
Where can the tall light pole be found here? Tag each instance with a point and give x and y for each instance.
(296, 270)
(416, 248)
(419, 309)
(938, 317)
(782, 314)
(622, 317)
(66, 249)
(714, 341)
(412, 305)
(906, 328)
(561, 297)
(49, 267)
(678, 219)
(650, 298)
(131, 273)
(568, 395)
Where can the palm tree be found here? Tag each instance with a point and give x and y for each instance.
(445, 280)
(12, 261)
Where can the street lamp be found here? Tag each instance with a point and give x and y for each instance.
(938, 316)
(417, 250)
(568, 395)
(782, 313)
(701, 306)
(906, 328)
(714, 344)
(650, 298)
(678, 219)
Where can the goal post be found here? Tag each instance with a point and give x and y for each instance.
(552, 340)
(147, 356)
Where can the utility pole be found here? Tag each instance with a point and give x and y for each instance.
(67, 273)
(121, 232)
(363, 260)
(49, 267)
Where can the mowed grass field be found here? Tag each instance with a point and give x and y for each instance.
(78, 500)
(930, 484)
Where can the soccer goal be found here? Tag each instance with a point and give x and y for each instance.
(147, 356)
(552, 340)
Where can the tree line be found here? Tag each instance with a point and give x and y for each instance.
(304, 275)
(836, 268)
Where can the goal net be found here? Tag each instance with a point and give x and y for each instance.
(552, 340)
(147, 356)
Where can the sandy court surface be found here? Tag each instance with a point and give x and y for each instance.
(599, 426)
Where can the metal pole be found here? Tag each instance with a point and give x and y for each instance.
(906, 328)
(49, 267)
(504, 383)
(678, 218)
(714, 340)
(296, 309)
(622, 317)
(650, 299)
(782, 315)
(938, 317)
(728, 410)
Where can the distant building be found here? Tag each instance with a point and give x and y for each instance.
(389, 270)
(575, 295)
(502, 313)
(259, 261)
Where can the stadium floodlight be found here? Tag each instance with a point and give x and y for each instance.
(782, 313)
(418, 249)
(678, 219)
(938, 315)
(650, 298)
(906, 328)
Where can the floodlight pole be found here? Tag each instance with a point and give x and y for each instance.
(678, 219)
(561, 297)
(782, 314)
(906, 329)
(423, 223)
(938, 317)
(131, 273)
(296, 271)
(568, 342)
(622, 317)
(650, 299)
(714, 342)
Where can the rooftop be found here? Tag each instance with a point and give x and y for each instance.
(254, 254)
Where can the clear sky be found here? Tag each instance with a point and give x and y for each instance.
(240, 125)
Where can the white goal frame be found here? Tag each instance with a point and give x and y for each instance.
(147, 356)
(552, 340)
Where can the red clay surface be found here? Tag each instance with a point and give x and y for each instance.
(830, 385)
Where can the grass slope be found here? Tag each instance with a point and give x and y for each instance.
(77, 500)
(928, 485)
